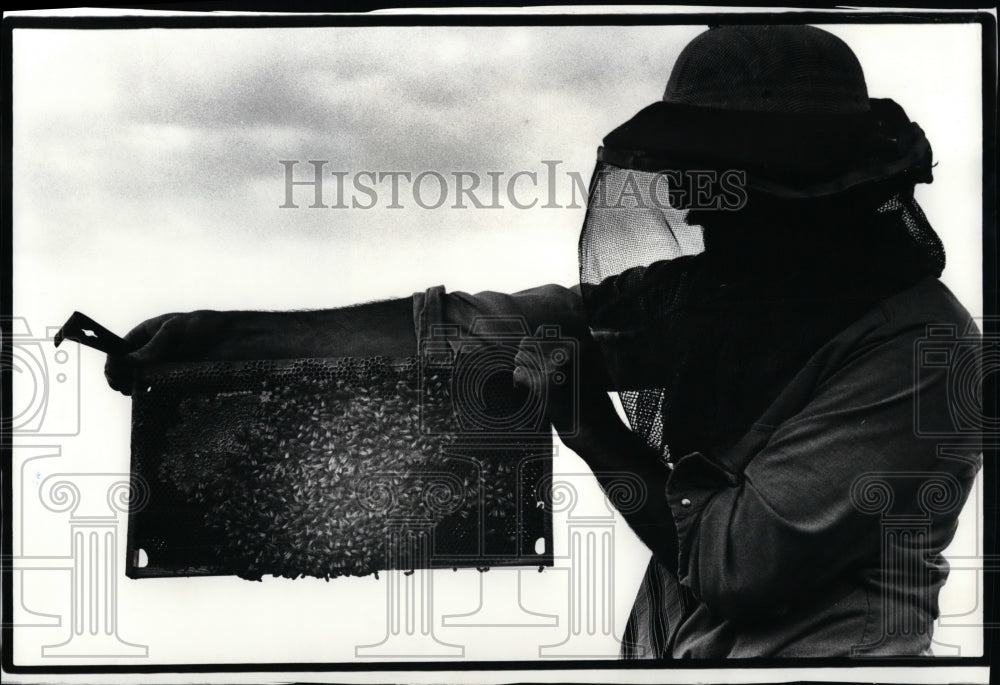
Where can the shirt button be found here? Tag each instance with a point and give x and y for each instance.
(685, 502)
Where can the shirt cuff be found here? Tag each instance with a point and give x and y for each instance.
(695, 480)
(427, 312)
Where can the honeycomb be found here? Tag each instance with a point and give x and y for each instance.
(325, 468)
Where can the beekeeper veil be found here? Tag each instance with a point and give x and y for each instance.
(741, 222)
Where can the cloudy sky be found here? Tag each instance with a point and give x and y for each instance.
(147, 162)
(147, 174)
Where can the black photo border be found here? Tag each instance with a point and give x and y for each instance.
(363, 17)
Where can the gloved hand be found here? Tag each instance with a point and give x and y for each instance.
(382, 328)
(176, 337)
(571, 386)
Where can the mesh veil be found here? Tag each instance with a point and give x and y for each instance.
(699, 332)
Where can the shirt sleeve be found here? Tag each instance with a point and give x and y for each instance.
(524, 310)
(759, 538)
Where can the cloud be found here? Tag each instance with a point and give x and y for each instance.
(161, 114)
(152, 155)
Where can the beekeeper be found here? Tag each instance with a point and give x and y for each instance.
(761, 333)
(766, 358)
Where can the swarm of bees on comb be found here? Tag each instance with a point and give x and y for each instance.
(334, 471)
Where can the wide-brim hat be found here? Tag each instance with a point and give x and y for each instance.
(786, 104)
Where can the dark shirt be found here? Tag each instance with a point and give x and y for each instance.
(820, 532)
